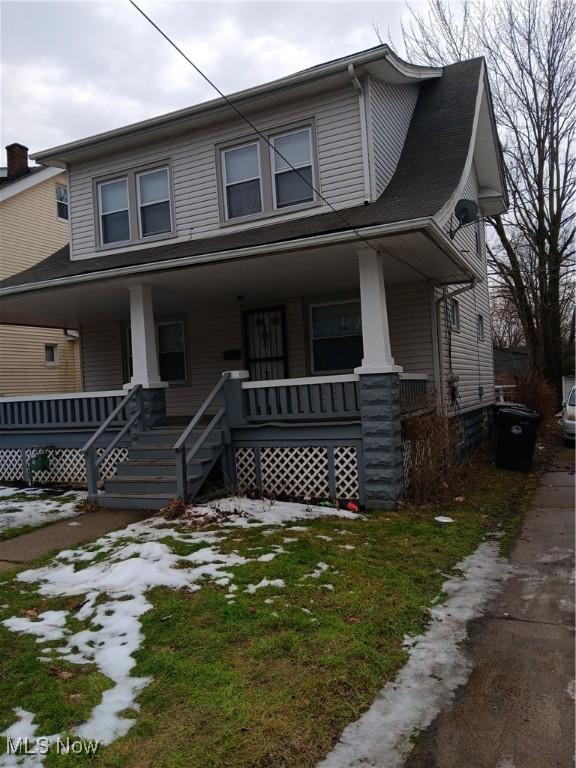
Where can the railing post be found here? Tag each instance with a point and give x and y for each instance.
(233, 400)
(91, 471)
(181, 479)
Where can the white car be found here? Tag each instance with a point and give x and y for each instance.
(568, 419)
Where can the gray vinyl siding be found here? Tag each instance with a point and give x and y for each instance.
(472, 359)
(409, 316)
(102, 357)
(390, 113)
(192, 158)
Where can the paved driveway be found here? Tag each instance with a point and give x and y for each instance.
(517, 710)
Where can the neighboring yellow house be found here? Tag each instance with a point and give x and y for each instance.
(33, 224)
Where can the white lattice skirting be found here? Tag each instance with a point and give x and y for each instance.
(300, 471)
(66, 465)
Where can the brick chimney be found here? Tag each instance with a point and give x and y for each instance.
(17, 155)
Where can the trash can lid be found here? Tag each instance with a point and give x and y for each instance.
(519, 411)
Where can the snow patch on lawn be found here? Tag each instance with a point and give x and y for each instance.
(436, 668)
(14, 513)
(247, 512)
(114, 574)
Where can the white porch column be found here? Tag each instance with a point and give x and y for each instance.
(143, 337)
(375, 332)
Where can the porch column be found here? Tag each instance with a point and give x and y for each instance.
(145, 357)
(379, 391)
(143, 338)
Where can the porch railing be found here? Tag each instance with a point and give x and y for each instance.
(75, 409)
(414, 394)
(316, 397)
(95, 460)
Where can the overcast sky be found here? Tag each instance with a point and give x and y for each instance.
(74, 68)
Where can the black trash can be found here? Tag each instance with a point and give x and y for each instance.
(516, 430)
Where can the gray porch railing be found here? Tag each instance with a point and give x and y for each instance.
(414, 394)
(184, 457)
(93, 461)
(80, 409)
(316, 397)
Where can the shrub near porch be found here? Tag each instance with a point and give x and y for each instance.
(272, 676)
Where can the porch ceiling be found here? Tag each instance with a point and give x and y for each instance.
(260, 280)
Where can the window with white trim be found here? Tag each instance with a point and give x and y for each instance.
(336, 336)
(155, 217)
(454, 314)
(62, 201)
(292, 150)
(478, 238)
(171, 349)
(51, 358)
(480, 324)
(114, 208)
(242, 180)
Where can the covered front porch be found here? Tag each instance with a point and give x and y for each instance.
(328, 350)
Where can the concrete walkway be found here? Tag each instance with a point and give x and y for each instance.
(517, 710)
(67, 533)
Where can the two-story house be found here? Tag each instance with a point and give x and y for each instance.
(33, 224)
(277, 297)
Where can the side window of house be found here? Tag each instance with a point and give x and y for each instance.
(171, 352)
(268, 174)
(480, 322)
(478, 234)
(135, 206)
(336, 336)
(62, 201)
(51, 355)
(454, 314)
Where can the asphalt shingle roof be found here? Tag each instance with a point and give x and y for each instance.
(429, 170)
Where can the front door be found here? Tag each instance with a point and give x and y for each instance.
(265, 343)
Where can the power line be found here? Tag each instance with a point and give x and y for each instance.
(266, 140)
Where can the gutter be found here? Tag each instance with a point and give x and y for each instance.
(346, 236)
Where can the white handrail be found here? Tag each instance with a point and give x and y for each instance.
(341, 377)
(61, 396)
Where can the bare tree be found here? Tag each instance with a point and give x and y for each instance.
(530, 51)
(507, 330)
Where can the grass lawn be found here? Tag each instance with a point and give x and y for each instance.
(271, 678)
(22, 512)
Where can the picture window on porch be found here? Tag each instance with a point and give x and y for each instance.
(154, 202)
(292, 186)
(336, 336)
(242, 181)
(171, 347)
(114, 211)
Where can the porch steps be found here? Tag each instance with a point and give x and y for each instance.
(147, 479)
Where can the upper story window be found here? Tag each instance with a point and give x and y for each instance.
(480, 324)
(265, 175)
(114, 211)
(292, 166)
(242, 181)
(478, 238)
(154, 202)
(454, 314)
(135, 206)
(62, 201)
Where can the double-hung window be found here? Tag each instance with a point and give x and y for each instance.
(291, 155)
(62, 201)
(480, 324)
(242, 180)
(171, 350)
(155, 217)
(336, 336)
(114, 209)
(454, 314)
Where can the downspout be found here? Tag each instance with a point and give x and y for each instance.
(440, 341)
(359, 88)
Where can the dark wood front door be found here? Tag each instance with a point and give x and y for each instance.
(266, 343)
